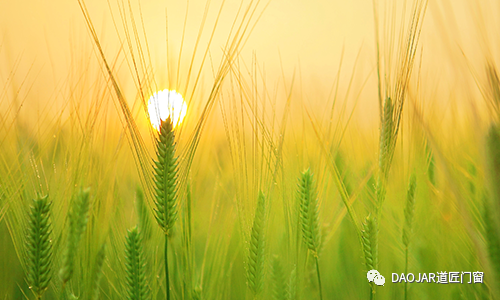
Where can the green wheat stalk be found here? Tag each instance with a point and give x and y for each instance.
(135, 267)
(407, 229)
(39, 246)
(165, 177)
(391, 114)
(256, 254)
(77, 218)
(309, 218)
(188, 258)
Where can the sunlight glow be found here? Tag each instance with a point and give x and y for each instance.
(164, 104)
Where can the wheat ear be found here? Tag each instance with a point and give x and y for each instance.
(309, 218)
(39, 246)
(370, 245)
(97, 272)
(386, 149)
(135, 267)
(407, 228)
(77, 218)
(255, 268)
(409, 210)
(279, 282)
(165, 177)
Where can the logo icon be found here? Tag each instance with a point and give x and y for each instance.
(376, 277)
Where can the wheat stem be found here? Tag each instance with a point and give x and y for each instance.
(166, 269)
(319, 278)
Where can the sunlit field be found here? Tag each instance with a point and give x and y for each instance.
(249, 149)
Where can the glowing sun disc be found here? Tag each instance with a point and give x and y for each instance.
(164, 104)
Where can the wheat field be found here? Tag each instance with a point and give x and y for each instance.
(250, 150)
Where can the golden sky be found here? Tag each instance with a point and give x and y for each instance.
(47, 37)
(312, 32)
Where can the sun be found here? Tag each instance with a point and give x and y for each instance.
(164, 104)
